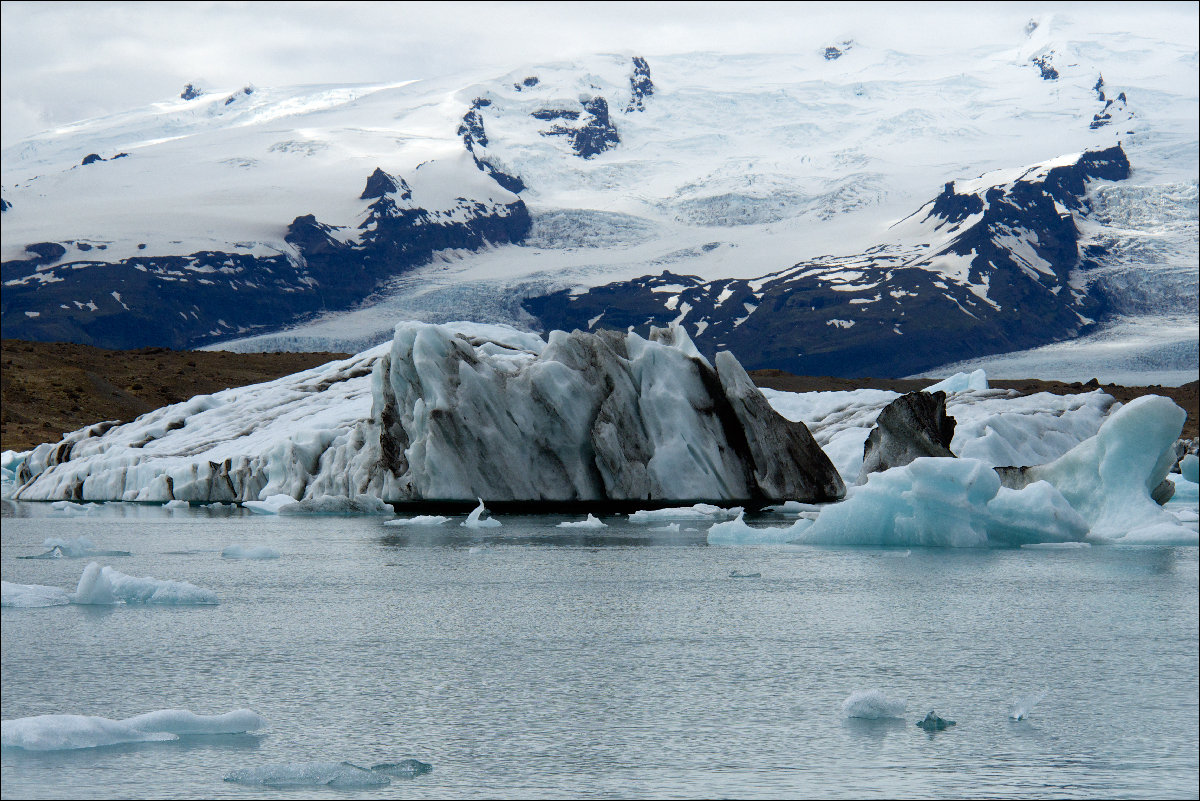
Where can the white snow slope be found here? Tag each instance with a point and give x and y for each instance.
(738, 166)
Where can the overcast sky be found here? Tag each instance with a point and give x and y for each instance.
(68, 61)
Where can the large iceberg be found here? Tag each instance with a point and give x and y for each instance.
(459, 412)
(103, 586)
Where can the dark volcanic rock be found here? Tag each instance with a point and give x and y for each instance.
(471, 128)
(832, 53)
(554, 114)
(4, 205)
(190, 92)
(1047, 69)
(43, 253)
(91, 158)
(640, 85)
(912, 426)
(595, 135)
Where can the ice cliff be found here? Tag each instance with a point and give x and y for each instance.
(462, 411)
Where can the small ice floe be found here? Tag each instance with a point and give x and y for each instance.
(320, 505)
(78, 548)
(736, 532)
(591, 522)
(736, 574)
(932, 722)
(872, 705)
(795, 508)
(1057, 546)
(419, 520)
(700, 511)
(270, 505)
(1021, 707)
(474, 521)
(103, 586)
(177, 504)
(310, 774)
(405, 768)
(68, 732)
(71, 509)
(671, 527)
(249, 552)
(31, 596)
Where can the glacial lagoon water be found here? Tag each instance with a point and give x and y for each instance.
(530, 660)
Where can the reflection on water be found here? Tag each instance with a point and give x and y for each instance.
(530, 660)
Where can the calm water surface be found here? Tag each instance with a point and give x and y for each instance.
(534, 661)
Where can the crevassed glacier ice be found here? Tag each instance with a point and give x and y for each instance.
(447, 412)
(102, 586)
(30, 596)
(68, 732)
(872, 705)
(310, 774)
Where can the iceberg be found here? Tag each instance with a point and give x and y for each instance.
(591, 522)
(68, 732)
(1189, 467)
(872, 705)
(405, 768)
(418, 520)
(474, 521)
(456, 411)
(78, 548)
(1021, 707)
(29, 596)
(310, 774)
(177, 504)
(1109, 478)
(737, 532)
(700, 511)
(103, 586)
(249, 552)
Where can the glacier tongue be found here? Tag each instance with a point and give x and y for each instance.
(461, 411)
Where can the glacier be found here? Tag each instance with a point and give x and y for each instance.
(456, 412)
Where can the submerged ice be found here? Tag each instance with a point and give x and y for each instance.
(872, 705)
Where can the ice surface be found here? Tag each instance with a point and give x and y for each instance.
(177, 504)
(336, 505)
(591, 522)
(270, 505)
(66, 732)
(32, 595)
(1022, 706)
(1036, 514)
(108, 586)
(872, 705)
(419, 520)
(405, 768)
(960, 382)
(310, 774)
(737, 532)
(700, 511)
(1189, 467)
(249, 552)
(475, 521)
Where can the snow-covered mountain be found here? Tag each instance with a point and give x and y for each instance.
(855, 210)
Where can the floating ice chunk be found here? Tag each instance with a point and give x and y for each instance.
(960, 382)
(872, 705)
(1108, 478)
(1021, 707)
(591, 522)
(736, 574)
(473, 520)
(700, 511)
(1036, 514)
(795, 508)
(29, 596)
(310, 774)
(79, 545)
(249, 552)
(338, 505)
(736, 532)
(671, 527)
(419, 520)
(1189, 467)
(271, 505)
(65, 732)
(177, 504)
(1057, 545)
(405, 768)
(182, 721)
(108, 586)
(1160, 534)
